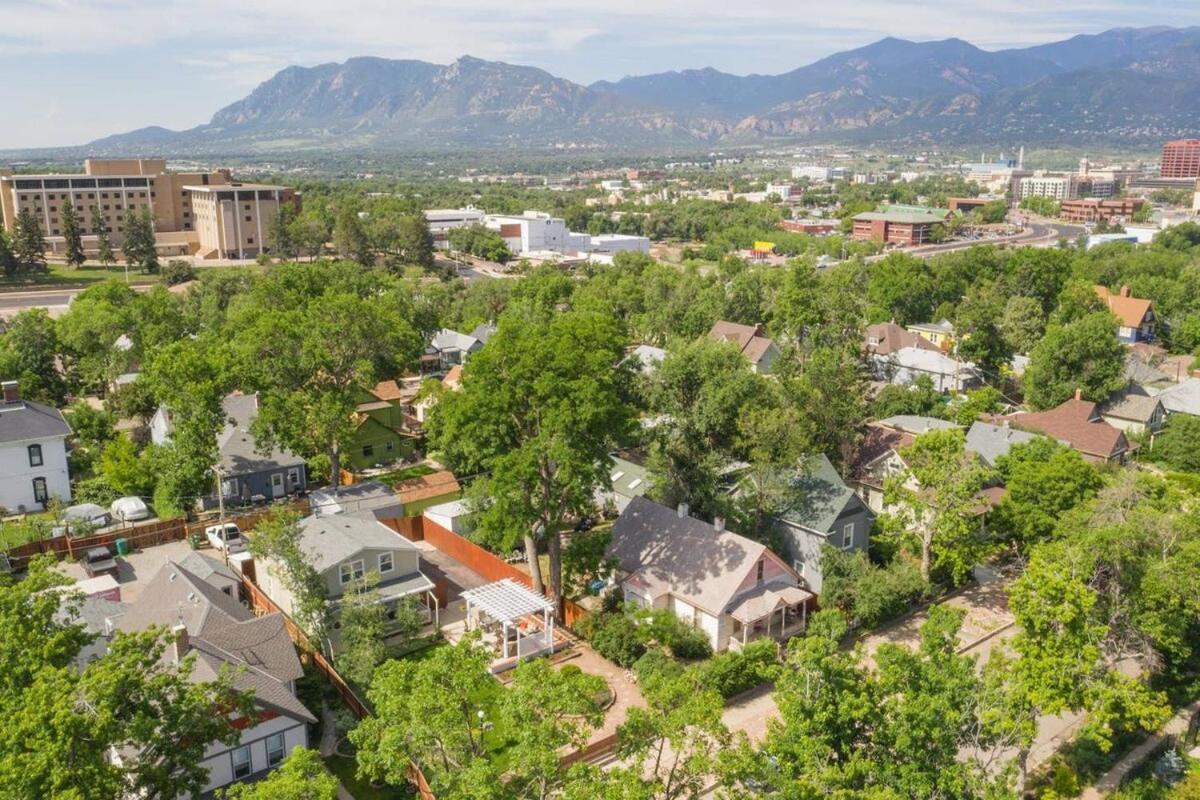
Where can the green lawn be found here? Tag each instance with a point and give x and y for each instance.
(403, 474)
(31, 528)
(344, 768)
(61, 276)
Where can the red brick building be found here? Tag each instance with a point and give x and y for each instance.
(1091, 210)
(1181, 159)
(906, 228)
(812, 227)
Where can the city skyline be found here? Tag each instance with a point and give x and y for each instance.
(82, 71)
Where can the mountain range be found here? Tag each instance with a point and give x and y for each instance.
(1126, 85)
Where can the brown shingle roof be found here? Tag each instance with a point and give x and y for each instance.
(388, 390)
(424, 487)
(748, 338)
(878, 440)
(1077, 424)
(891, 337)
(1130, 310)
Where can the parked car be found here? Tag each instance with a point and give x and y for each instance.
(84, 515)
(226, 536)
(129, 509)
(99, 561)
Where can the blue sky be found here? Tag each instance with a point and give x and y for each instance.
(75, 70)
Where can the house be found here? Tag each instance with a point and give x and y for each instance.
(752, 340)
(247, 474)
(886, 338)
(448, 347)
(1182, 398)
(1133, 410)
(386, 427)
(938, 334)
(225, 637)
(990, 441)
(828, 513)
(629, 479)
(1077, 424)
(418, 493)
(33, 453)
(343, 548)
(370, 499)
(729, 587)
(878, 455)
(1135, 315)
(947, 373)
(212, 571)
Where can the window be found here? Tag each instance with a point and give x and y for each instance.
(848, 536)
(293, 476)
(368, 450)
(241, 762)
(249, 240)
(798, 565)
(758, 572)
(385, 563)
(35, 455)
(40, 495)
(248, 219)
(389, 445)
(351, 570)
(274, 749)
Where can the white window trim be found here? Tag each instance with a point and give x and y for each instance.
(848, 536)
(282, 750)
(293, 475)
(356, 566)
(233, 758)
(391, 562)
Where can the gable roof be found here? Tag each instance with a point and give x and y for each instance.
(878, 441)
(749, 338)
(1183, 397)
(446, 339)
(237, 446)
(932, 360)
(390, 390)
(453, 377)
(664, 552)
(330, 540)
(1130, 310)
(1075, 423)
(944, 326)
(915, 423)
(990, 441)
(890, 337)
(25, 420)
(824, 496)
(629, 479)
(222, 632)
(1131, 403)
(205, 566)
(482, 332)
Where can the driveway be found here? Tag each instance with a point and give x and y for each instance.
(136, 569)
(750, 712)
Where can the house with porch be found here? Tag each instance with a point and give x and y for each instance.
(731, 588)
(879, 454)
(386, 426)
(1078, 424)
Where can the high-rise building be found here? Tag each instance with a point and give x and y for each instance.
(179, 203)
(1180, 159)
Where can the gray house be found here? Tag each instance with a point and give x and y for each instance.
(828, 513)
(246, 473)
(343, 548)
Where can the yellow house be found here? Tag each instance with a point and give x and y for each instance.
(939, 334)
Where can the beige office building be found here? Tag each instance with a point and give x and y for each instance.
(110, 188)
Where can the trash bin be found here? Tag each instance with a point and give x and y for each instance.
(122, 547)
(194, 541)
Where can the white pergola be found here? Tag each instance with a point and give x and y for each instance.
(506, 602)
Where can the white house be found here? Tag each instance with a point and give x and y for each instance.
(33, 453)
(730, 587)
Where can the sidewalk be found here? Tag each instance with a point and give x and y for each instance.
(1112, 780)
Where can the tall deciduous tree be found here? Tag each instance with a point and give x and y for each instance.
(72, 231)
(28, 351)
(539, 412)
(350, 239)
(1084, 354)
(362, 619)
(937, 497)
(301, 776)
(278, 539)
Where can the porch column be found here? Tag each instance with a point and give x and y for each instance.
(504, 641)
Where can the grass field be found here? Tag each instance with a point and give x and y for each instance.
(61, 276)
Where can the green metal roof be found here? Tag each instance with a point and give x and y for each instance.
(823, 496)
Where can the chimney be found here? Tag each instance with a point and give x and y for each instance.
(179, 647)
(1078, 394)
(1125, 290)
(719, 524)
(682, 510)
(12, 392)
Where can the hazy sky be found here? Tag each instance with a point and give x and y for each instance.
(74, 70)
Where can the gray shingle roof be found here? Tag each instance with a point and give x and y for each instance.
(26, 420)
(331, 540)
(237, 446)
(990, 442)
(368, 498)
(1183, 398)
(1130, 403)
(204, 567)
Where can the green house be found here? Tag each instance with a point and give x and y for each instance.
(386, 431)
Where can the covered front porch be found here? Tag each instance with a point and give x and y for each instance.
(774, 611)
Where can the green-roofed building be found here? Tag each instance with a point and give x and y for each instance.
(906, 226)
(629, 480)
(827, 512)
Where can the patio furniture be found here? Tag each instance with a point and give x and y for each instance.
(505, 603)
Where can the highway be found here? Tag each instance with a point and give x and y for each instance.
(1038, 234)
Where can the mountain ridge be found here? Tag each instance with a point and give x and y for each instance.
(1125, 83)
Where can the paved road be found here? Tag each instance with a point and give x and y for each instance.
(49, 298)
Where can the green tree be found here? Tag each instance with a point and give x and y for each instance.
(918, 398)
(29, 242)
(124, 471)
(278, 539)
(540, 409)
(282, 233)
(937, 495)
(979, 329)
(72, 232)
(350, 239)
(138, 244)
(64, 719)
(1084, 355)
(1044, 480)
(407, 242)
(104, 251)
(1023, 323)
(829, 390)
(28, 352)
(301, 776)
(362, 619)
(88, 331)
(1178, 447)
(8, 259)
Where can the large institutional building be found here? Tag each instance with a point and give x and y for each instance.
(203, 214)
(1181, 159)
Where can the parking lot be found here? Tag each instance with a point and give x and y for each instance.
(137, 568)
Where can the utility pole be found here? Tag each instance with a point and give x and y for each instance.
(221, 513)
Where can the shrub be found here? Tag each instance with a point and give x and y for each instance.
(866, 593)
(732, 673)
(615, 636)
(690, 643)
(655, 668)
(177, 271)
